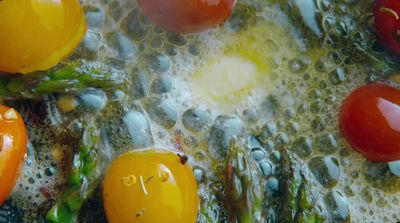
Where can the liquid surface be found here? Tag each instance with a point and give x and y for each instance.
(292, 65)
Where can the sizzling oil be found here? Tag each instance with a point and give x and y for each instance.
(295, 70)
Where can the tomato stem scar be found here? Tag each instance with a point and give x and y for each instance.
(183, 158)
(390, 11)
(143, 186)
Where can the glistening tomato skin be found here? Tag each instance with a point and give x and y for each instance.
(387, 23)
(187, 16)
(370, 121)
(13, 145)
(37, 34)
(150, 186)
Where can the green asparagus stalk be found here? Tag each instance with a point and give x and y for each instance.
(83, 179)
(242, 190)
(73, 76)
(298, 204)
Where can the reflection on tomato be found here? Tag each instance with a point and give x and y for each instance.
(149, 186)
(370, 121)
(187, 16)
(387, 23)
(37, 34)
(13, 145)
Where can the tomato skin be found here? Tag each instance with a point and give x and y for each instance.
(149, 186)
(387, 23)
(13, 146)
(370, 121)
(37, 34)
(187, 16)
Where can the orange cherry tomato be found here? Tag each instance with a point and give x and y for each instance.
(37, 34)
(370, 121)
(13, 145)
(187, 16)
(149, 186)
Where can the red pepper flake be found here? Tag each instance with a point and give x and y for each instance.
(46, 193)
(178, 141)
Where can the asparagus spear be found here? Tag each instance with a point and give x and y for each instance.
(298, 204)
(73, 76)
(242, 190)
(85, 176)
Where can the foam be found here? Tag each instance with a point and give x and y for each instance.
(215, 44)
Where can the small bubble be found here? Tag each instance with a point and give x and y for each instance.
(314, 94)
(316, 106)
(258, 154)
(275, 156)
(298, 65)
(366, 195)
(282, 139)
(172, 50)
(176, 39)
(49, 171)
(337, 76)
(199, 174)
(157, 62)
(31, 180)
(326, 170)
(272, 187)
(303, 146)
(195, 119)
(293, 128)
(338, 206)
(194, 50)
(266, 168)
(320, 66)
(318, 124)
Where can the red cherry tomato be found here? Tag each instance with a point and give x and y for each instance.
(370, 121)
(187, 16)
(387, 23)
(13, 145)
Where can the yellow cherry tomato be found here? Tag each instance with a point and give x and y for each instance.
(149, 186)
(37, 34)
(13, 145)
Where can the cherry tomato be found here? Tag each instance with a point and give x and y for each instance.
(187, 16)
(13, 145)
(37, 34)
(370, 121)
(387, 23)
(149, 186)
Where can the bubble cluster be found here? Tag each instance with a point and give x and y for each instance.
(304, 68)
